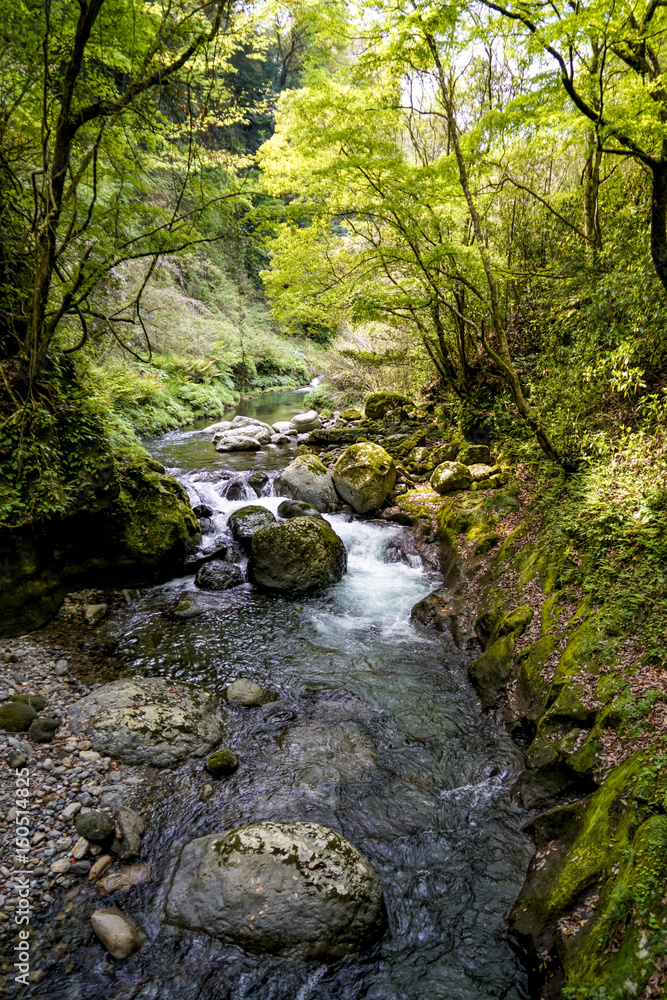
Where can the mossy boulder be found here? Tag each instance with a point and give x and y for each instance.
(532, 689)
(16, 716)
(364, 475)
(379, 403)
(516, 621)
(222, 763)
(473, 454)
(491, 671)
(446, 452)
(451, 476)
(294, 889)
(244, 522)
(127, 521)
(599, 903)
(307, 479)
(297, 555)
(352, 413)
(43, 730)
(36, 700)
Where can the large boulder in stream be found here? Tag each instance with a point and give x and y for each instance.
(148, 721)
(244, 522)
(308, 479)
(363, 475)
(301, 554)
(295, 889)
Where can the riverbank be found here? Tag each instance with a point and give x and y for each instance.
(586, 701)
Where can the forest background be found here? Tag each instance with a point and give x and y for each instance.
(465, 202)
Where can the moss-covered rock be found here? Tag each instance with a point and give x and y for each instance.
(364, 475)
(16, 716)
(222, 763)
(532, 689)
(451, 476)
(352, 413)
(307, 479)
(491, 671)
(130, 522)
(379, 403)
(244, 522)
(516, 621)
(36, 700)
(474, 454)
(599, 902)
(298, 555)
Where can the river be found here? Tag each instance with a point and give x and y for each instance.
(427, 799)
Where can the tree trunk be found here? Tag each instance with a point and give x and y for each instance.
(659, 222)
(591, 192)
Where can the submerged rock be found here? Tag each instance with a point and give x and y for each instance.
(290, 888)
(300, 554)
(364, 475)
(219, 575)
(308, 480)
(246, 692)
(148, 721)
(120, 936)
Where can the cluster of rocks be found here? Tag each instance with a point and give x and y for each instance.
(249, 434)
(84, 818)
(319, 898)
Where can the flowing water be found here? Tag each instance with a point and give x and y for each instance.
(377, 734)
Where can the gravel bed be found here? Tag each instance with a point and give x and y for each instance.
(65, 778)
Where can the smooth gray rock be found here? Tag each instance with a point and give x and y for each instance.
(120, 936)
(308, 421)
(148, 721)
(246, 692)
(298, 555)
(311, 894)
(308, 480)
(236, 442)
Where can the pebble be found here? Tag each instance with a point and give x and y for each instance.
(99, 866)
(80, 849)
(67, 779)
(70, 810)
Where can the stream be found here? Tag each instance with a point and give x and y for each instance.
(377, 733)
